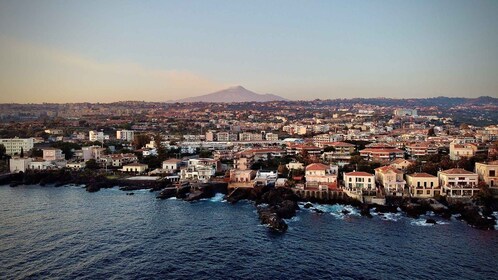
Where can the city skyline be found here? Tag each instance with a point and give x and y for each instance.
(58, 51)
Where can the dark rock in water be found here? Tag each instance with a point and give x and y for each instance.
(167, 193)
(195, 195)
(15, 184)
(386, 209)
(430, 221)
(317, 211)
(345, 212)
(238, 194)
(365, 211)
(182, 191)
(287, 209)
(274, 222)
(92, 188)
(130, 193)
(308, 205)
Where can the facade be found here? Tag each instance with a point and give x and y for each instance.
(243, 163)
(423, 185)
(421, 149)
(125, 135)
(171, 165)
(382, 154)
(52, 154)
(391, 179)
(401, 164)
(13, 146)
(488, 173)
(242, 176)
(18, 164)
(76, 165)
(457, 182)
(359, 182)
(321, 173)
(458, 151)
(135, 167)
(294, 165)
(96, 136)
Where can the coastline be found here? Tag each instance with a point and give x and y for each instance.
(273, 205)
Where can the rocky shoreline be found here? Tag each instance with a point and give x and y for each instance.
(273, 204)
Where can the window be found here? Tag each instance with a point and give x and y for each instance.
(492, 173)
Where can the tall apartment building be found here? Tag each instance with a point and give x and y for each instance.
(125, 135)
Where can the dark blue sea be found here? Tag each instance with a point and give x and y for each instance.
(68, 233)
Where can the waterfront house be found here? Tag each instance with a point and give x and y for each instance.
(488, 173)
(171, 165)
(423, 185)
(19, 164)
(135, 167)
(458, 183)
(242, 176)
(391, 179)
(360, 182)
(321, 173)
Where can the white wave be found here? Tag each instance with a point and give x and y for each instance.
(394, 217)
(218, 197)
(292, 220)
(421, 222)
(172, 198)
(339, 211)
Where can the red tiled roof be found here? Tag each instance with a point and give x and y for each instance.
(358, 173)
(457, 171)
(421, 175)
(317, 166)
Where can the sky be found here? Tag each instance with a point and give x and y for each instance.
(105, 51)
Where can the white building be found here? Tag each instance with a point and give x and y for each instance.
(359, 182)
(18, 164)
(14, 146)
(125, 135)
(96, 136)
(135, 167)
(321, 173)
(171, 165)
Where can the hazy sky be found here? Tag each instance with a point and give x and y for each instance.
(71, 51)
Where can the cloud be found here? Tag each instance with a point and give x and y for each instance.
(34, 73)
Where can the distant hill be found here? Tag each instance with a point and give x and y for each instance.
(233, 94)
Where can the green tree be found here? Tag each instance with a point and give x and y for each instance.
(92, 164)
(2, 151)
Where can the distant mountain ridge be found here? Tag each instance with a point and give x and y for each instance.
(232, 95)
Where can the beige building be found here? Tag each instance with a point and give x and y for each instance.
(171, 165)
(423, 185)
(401, 164)
(391, 179)
(458, 151)
(51, 154)
(242, 176)
(321, 173)
(135, 167)
(488, 173)
(457, 182)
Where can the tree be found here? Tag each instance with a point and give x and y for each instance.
(431, 132)
(92, 164)
(140, 140)
(282, 169)
(22, 152)
(2, 151)
(329, 149)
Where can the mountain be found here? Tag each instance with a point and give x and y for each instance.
(233, 94)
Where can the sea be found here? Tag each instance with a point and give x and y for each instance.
(67, 233)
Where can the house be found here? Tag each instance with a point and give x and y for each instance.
(382, 154)
(40, 164)
(52, 154)
(196, 173)
(341, 152)
(401, 164)
(76, 165)
(18, 164)
(135, 167)
(321, 173)
(460, 150)
(391, 179)
(488, 173)
(294, 165)
(265, 177)
(457, 182)
(421, 149)
(118, 160)
(171, 165)
(242, 176)
(360, 182)
(423, 185)
(243, 162)
(14, 146)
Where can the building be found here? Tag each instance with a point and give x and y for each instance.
(125, 135)
(391, 179)
(360, 182)
(52, 154)
(401, 164)
(14, 146)
(382, 154)
(340, 152)
(423, 185)
(321, 173)
(242, 176)
(421, 149)
(461, 150)
(76, 165)
(405, 113)
(171, 165)
(135, 167)
(271, 137)
(96, 136)
(18, 164)
(243, 162)
(488, 173)
(294, 165)
(457, 182)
